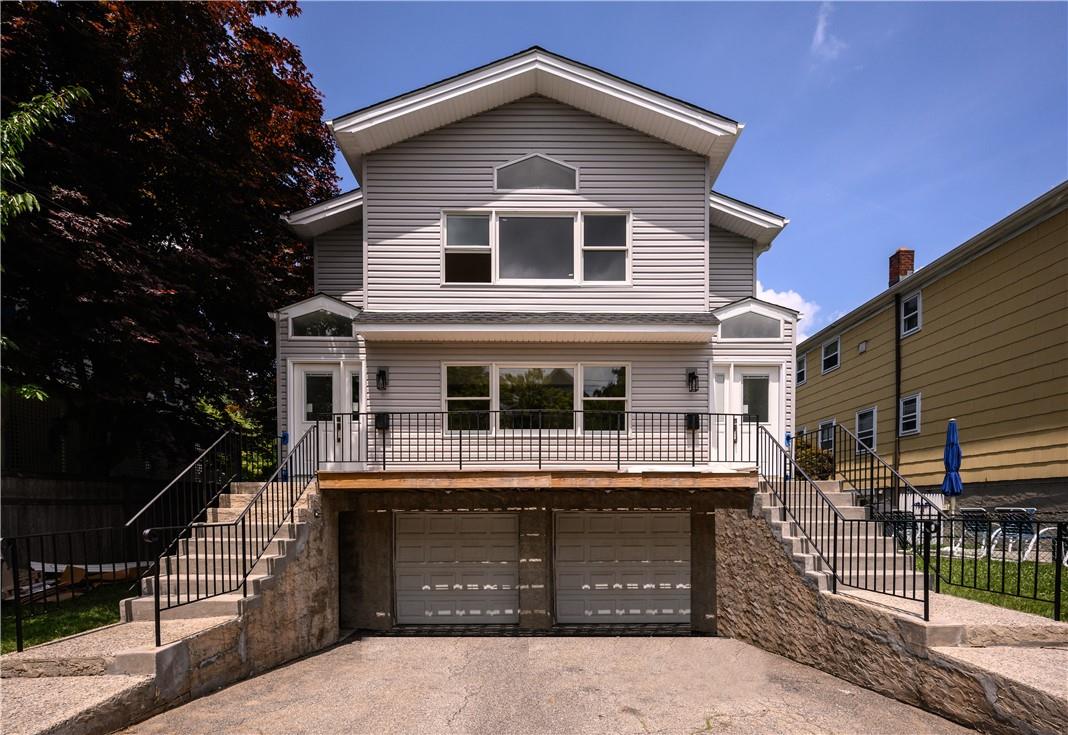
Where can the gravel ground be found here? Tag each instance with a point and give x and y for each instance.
(499, 686)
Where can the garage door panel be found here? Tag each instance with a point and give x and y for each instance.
(622, 567)
(457, 568)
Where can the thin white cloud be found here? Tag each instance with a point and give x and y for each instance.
(793, 300)
(825, 44)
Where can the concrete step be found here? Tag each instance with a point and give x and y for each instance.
(235, 500)
(880, 562)
(252, 530)
(223, 562)
(245, 488)
(837, 499)
(799, 544)
(232, 604)
(184, 585)
(231, 546)
(851, 512)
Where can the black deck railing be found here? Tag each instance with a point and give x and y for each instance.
(201, 560)
(537, 438)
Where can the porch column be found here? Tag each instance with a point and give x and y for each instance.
(535, 568)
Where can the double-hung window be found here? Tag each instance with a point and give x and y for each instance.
(911, 314)
(830, 355)
(467, 397)
(826, 437)
(866, 429)
(604, 397)
(604, 247)
(468, 257)
(802, 369)
(909, 415)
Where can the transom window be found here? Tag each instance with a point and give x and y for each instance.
(830, 355)
(536, 172)
(866, 429)
(321, 323)
(911, 317)
(536, 397)
(750, 325)
(534, 248)
(909, 415)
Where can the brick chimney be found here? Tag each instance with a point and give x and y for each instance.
(901, 264)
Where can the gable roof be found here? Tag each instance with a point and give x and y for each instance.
(536, 71)
(344, 209)
(745, 219)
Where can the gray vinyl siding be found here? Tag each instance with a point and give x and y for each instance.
(339, 263)
(311, 350)
(731, 267)
(408, 185)
(766, 353)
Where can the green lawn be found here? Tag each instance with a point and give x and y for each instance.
(968, 578)
(58, 619)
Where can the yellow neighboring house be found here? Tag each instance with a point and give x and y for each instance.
(980, 335)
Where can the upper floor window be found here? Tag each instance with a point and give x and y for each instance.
(911, 314)
(865, 427)
(826, 435)
(534, 248)
(750, 325)
(536, 172)
(908, 414)
(830, 355)
(321, 323)
(802, 369)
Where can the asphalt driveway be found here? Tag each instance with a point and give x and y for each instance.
(545, 685)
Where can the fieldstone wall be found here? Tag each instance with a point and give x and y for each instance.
(764, 600)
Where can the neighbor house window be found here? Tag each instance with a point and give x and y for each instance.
(866, 429)
(909, 415)
(536, 248)
(537, 172)
(321, 323)
(826, 436)
(604, 247)
(802, 369)
(467, 397)
(536, 397)
(911, 314)
(468, 258)
(830, 355)
(604, 397)
(750, 325)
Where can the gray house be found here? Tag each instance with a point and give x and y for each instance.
(534, 358)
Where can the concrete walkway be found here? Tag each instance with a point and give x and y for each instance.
(545, 685)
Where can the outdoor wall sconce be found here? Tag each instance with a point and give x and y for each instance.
(693, 383)
(382, 378)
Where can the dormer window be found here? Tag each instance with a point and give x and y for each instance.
(536, 172)
(321, 323)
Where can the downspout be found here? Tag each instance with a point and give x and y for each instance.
(897, 382)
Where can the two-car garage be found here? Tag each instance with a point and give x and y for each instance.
(607, 567)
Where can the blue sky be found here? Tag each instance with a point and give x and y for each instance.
(872, 126)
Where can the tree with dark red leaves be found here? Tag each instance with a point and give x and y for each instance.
(139, 291)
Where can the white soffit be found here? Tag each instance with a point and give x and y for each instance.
(744, 219)
(547, 333)
(536, 71)
(312, 221)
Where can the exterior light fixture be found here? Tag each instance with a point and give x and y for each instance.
(693, 382)
(382, 378)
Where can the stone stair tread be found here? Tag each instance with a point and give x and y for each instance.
(1041, 667)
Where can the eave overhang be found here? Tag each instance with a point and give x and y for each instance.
(530, 72)
(747, 220)
(339, 211)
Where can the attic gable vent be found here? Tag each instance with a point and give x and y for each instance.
(536, 171)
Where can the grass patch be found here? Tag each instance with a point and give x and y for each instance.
(98, 607)
(982, 580)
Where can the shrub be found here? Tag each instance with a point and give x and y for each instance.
(817, 463)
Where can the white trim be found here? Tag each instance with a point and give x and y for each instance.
(823, 350)
(729, 368)
(344, 365)
(547, 332)
(325, 216)
(536, 154)
(753, 309)
(874, 426)
(319, 302)
(901, 414)
(744, 219)
(751, 303)
(918, 294)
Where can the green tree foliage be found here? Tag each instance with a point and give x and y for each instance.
(141, 288)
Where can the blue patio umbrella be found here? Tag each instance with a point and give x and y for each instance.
(951, 485)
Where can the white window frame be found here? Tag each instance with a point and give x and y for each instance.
(581, 400)
(494, 247)
(874, 428)
(918, 295)
(745, 308)
(495, 403)
(536, 154)
(625, 248)
(318, 303)
(799, 370)
(819, 434)
(901, 414)
(837, 342)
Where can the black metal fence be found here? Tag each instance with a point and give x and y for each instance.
(537, 438)
(201, 560)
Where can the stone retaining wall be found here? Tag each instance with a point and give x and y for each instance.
(763, 599)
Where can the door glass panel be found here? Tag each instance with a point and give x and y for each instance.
(755, 389)
(355, 377)
(318, 396)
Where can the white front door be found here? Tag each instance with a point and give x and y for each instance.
(328, 396)
(755, 393)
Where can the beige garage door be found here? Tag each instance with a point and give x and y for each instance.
(625, 567)
(456, 568)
